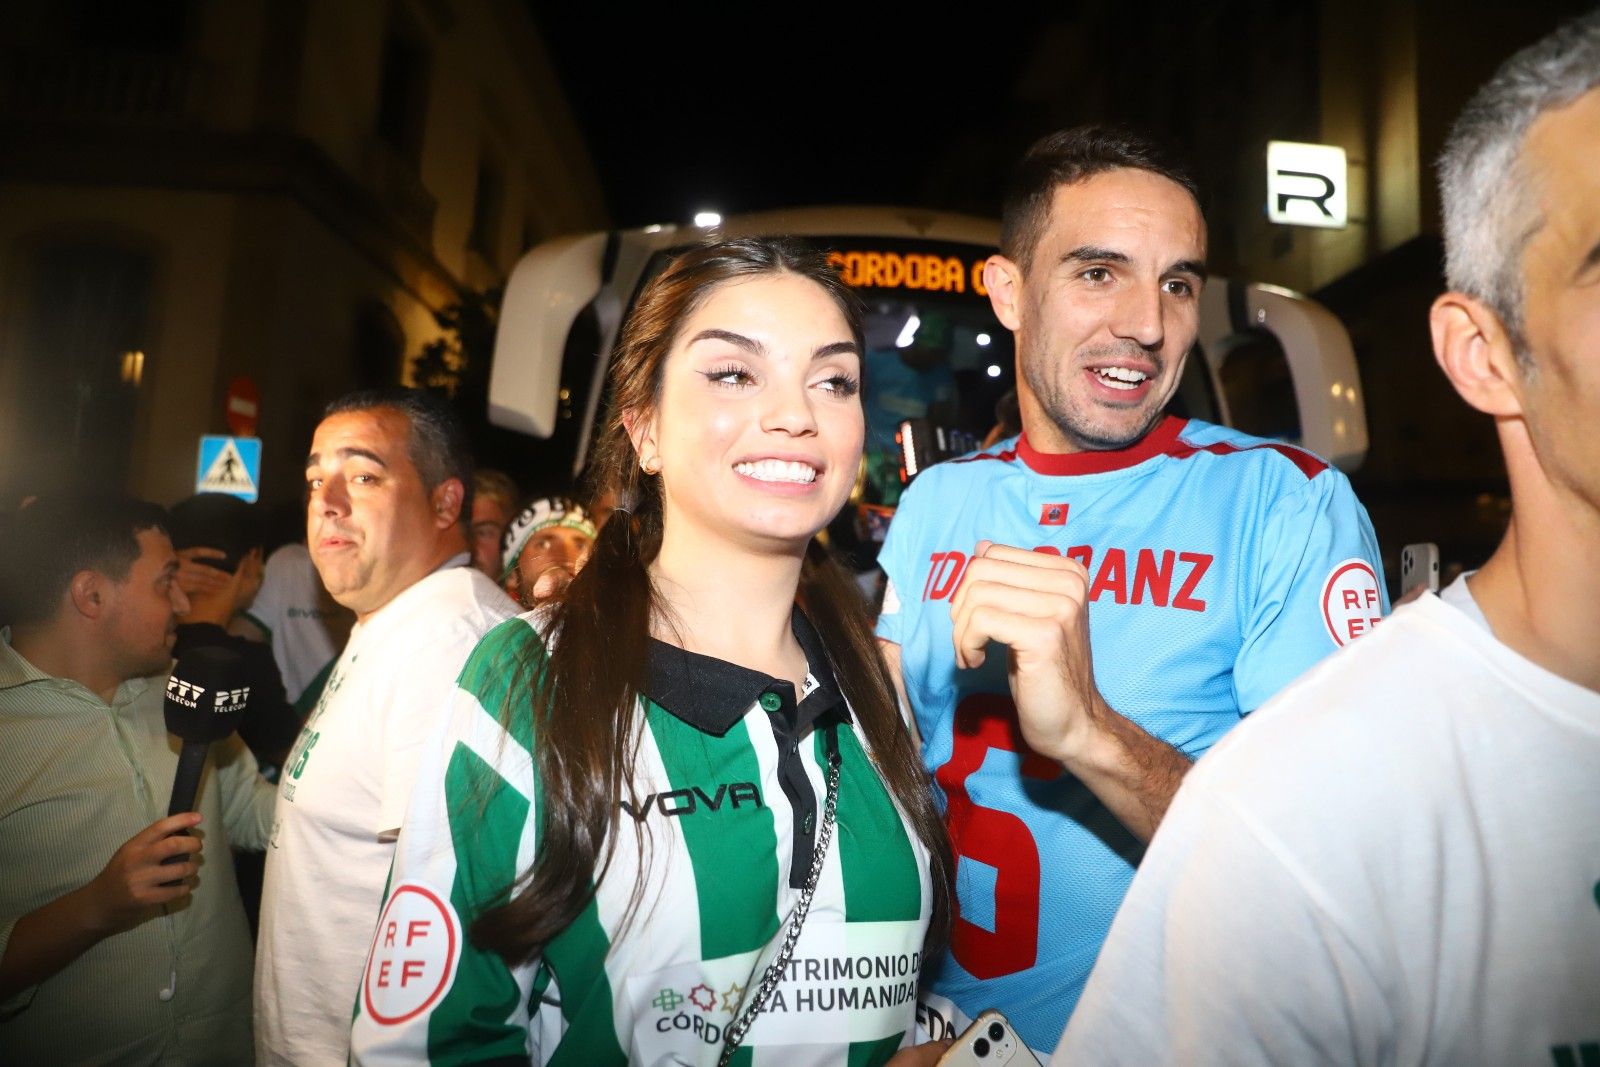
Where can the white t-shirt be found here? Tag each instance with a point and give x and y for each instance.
(297, 616)
(342, 793)
(1396, 861)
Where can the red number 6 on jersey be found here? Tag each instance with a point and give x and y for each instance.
(996, 838)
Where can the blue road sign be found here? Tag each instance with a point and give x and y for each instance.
(229, 465)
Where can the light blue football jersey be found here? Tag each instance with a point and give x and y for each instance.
(1221, 567)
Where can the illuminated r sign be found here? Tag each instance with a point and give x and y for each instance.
(1307, 184)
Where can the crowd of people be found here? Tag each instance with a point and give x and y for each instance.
(1125, 753)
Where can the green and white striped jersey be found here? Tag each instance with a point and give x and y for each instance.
(728, 788)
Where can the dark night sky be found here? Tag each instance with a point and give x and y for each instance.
(764, 106)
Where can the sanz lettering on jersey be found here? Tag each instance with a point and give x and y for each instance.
(680, 802)
(1160, 577)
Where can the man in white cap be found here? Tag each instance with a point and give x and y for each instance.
(545, 547)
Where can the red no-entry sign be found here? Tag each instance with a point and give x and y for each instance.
(242, 407)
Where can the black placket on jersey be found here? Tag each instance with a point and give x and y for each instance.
(711, 695)
(791, 727)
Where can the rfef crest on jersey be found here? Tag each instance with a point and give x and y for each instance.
(1053, 515)
(414, 955)
(1351, 603)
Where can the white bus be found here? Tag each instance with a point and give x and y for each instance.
(1270, 361)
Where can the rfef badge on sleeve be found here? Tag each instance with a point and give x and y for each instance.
(229, 465)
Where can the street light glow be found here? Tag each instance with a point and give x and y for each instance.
(994, 370)
(908, 333)
(983, 340)
(707, 219)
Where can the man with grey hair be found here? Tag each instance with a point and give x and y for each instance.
(1398, 859)
(388, 491)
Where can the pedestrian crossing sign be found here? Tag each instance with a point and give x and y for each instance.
(229, 465)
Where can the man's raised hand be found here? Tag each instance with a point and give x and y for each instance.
(1037, 605)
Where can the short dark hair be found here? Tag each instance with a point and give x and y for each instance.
(219, 521)
(438, 442)
(1067, 157)
(54, 538)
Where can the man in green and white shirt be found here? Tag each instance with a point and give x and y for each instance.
(726, 807)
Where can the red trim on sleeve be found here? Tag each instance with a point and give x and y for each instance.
(1308, 464)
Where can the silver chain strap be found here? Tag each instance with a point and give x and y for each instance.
(734, 1036)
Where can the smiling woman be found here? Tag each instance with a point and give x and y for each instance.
(711, 676)
(758, 426)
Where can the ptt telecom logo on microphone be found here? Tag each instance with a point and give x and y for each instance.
(229, 701)
(186, 693)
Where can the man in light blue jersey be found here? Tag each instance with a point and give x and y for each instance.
(1153, 580)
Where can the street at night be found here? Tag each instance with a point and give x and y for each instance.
(844, 534)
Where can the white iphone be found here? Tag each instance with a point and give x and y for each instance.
(988, 1042)
(1419, 566)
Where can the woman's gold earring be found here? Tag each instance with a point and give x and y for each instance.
(652, 465)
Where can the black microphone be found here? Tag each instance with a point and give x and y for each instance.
(204, 703)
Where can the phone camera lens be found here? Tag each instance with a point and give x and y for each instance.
(996, 1032)
(980, 1047)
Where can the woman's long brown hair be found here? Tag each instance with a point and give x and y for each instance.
(584, 698)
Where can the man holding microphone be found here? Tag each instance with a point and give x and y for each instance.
(106, 954)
